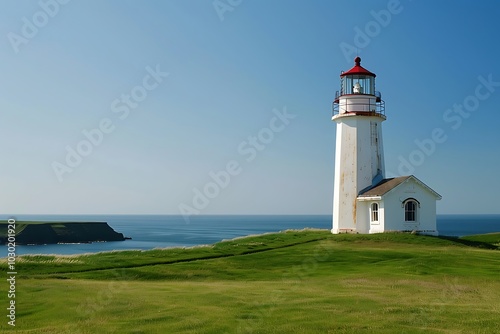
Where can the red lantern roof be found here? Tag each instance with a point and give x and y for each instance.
(358, 69)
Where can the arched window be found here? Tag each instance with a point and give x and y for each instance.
(410, 211)
(374, 212)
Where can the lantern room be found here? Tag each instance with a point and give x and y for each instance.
(357, 80)
(357, 93)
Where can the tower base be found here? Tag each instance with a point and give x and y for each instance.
(343, 230)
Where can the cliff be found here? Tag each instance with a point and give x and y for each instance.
(38, 233)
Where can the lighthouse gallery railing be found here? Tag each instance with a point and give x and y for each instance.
(377, 107)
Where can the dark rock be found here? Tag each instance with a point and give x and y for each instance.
(60, 232)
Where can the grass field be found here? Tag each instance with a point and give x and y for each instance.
(294, 282)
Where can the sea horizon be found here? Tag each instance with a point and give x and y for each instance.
(151, 231)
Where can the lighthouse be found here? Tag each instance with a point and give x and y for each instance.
(359, 112)
(364, 201)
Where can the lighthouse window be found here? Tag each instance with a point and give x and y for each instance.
(374, 212)
(357, 84)
(374, 133)
(410, 211)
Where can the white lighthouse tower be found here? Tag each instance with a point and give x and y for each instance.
(364, 201)
(359, 112)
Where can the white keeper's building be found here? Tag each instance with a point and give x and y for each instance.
(364, 201)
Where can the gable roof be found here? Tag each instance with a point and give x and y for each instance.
(383, 186)
(387, 185)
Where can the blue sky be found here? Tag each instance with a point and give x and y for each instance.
(227, 72)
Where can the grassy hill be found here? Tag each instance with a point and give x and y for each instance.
(490, 238)
(293, 282)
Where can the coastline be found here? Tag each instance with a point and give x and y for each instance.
(168, 231)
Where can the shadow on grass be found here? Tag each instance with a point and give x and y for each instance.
(470, 243)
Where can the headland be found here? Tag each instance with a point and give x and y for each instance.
(40, 233)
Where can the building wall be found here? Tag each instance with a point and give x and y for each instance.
(377, 227)
(363, 223)
(345, 190)
(358, 159)
(394, 211)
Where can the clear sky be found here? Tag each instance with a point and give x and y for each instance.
(137, 106)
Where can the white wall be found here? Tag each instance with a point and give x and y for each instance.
(354, 168)
(374, 226)
(395, 213)
(363, 215)
(345, 190)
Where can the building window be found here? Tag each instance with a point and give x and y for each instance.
(374, 212)
(374, 133)
(410, 211)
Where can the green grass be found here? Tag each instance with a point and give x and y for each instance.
(491, 238)
(294, 282)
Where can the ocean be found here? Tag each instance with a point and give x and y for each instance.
(161, 231)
